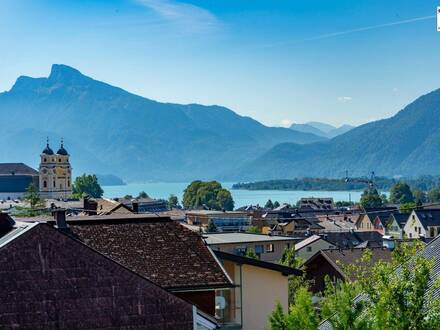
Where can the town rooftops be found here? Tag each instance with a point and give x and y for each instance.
(401, 218)
(157, 248)
(348, 239)
(258, 263)
(428, 217)
(230, 238)
(339, 258)
(16, 169)
(213, 212)
(307, 241)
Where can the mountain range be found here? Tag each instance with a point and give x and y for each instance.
(406, 144)
(321, 129)
(109, 130)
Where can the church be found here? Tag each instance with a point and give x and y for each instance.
(53, 179)
(55, 173)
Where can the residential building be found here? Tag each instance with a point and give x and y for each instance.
(259, 287)
(229, 221)
(309, 246)
(298, 227)
(268, 248)
(158, 249)
(55, 173)
(15, 178)
(350, 239)
(144, 205)
(366, 220)
(313, 203)
(332, 262)
(391, 225)
(50, 280)
(423, 223)
(104, 206)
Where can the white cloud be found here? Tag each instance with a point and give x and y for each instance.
(286, 123)
(344, 99)
(191, 17)
(395, 89)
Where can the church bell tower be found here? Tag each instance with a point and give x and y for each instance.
(55, 173)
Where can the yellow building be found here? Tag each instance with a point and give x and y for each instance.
(259, 287)
(55, 173)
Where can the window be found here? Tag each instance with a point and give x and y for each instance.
(54, 184)
(259, 249)
(45, 159)
(309, 249)
(45, 184)
(269, 248)
(420, 230)
(431, 232)
(410, 235)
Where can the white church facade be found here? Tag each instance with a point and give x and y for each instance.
(55, 173)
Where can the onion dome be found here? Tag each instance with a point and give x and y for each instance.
(61, 151)
(47, 150)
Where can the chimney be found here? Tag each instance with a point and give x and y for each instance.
(60, 218)
(90, 206)
(135, 206)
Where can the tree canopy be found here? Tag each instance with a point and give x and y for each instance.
(173, 202)
(87, 185)
(370, 198)
(207, 194)
(401, 193)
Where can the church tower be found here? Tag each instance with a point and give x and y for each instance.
(55, 173)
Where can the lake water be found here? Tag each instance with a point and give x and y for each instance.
(241, 197)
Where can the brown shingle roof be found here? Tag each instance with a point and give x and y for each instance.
(16, 169)
(50, 281)
(161, 250)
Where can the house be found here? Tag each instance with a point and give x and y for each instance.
(391, 225)
(313, 203)
(299, 227)
(309, 246)
(423, 223)
(15, 178)
(267, 248)
(259, 286)
(144, 205)
(158, 249)
(106, 206)
(229, 221)
(50, 280)
(366, 220)
(350, 239)
(332, 262)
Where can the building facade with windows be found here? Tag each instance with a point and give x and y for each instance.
(55, 173)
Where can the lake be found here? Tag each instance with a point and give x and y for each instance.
(241, 197)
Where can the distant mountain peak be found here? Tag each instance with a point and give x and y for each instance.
(65, 73)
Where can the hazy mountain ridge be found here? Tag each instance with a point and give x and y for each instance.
(321, 129)
(406, 144)
(109, 130)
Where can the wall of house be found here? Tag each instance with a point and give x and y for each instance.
(413, 227)
(316, 272)
(364, 223)
(310, 250)
(261, 290)
(394, 230)
(278, 248)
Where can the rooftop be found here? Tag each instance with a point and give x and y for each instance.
(307, 241)
(16, 169)
(159, 249)
(226, 238)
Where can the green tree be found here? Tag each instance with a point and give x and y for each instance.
(207, 194)
(250, 253)
(269, 204)
(407, 207)
(401, 193)
(433, 195)
(253, 230)
(295, 282)
(87, 185)
(143, 194)
(173, 202)
(212, 228)
(276, 204)
(370, 198)
(128, 197)
(32, 197)
(302, 314)
(419, 196)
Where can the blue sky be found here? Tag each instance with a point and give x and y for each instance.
(277, 61)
